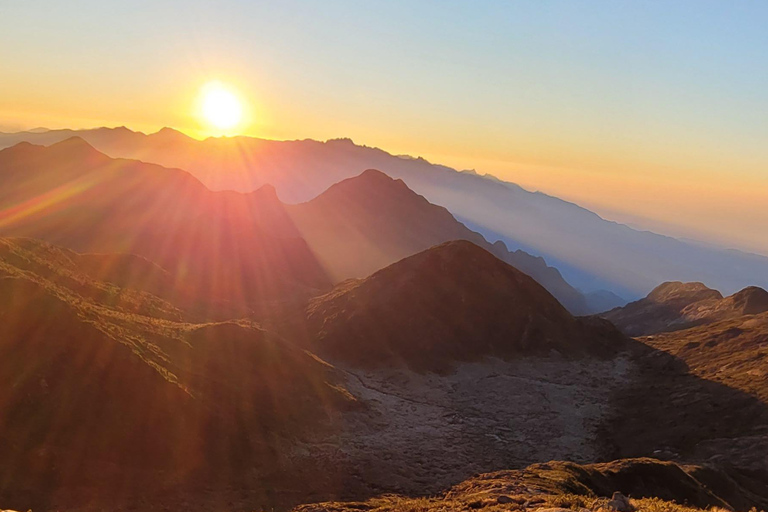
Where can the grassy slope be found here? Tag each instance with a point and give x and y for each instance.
(655, 486)
(104, 387)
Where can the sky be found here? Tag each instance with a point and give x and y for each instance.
(648, 112)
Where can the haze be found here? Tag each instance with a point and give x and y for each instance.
(654, 114)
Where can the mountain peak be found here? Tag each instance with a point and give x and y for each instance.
(370, 185)
(458, 252)
(453, 302)
(170, 134)
(675, 306)
(76, 147)
(677, 290)
(752, 300)
(72, 142)
(374, 174)
(341, 141)
(378, 179)
(266, 192)
(21, 146)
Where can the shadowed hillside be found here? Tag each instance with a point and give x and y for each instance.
(701, 388)
(699, 394)
(453, 302)
(733, 353)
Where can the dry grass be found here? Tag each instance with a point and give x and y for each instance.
(391, 503)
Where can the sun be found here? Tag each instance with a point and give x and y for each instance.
(220, 107)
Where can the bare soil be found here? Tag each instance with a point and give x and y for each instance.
(424, 432)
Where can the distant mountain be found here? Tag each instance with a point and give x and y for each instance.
(590, 252)
(365, 223)
(454, 302)
(228, 245)
(101, 388)
(218, 245)
(603, 300)
(674, 306)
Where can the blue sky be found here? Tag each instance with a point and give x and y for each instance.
(580, 99)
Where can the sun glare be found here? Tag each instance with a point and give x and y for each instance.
(220, 107)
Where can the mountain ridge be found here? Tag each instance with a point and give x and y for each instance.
(366, 222)
(592, 253)
(103, 205)
(675, 306)
(71, 194)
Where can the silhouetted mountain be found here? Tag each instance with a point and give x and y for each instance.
(590, 252)
(365, 223)
(453, 302)
(675, 305)
(603, 300)
(246, 245)
(95, 394)
(220, 245)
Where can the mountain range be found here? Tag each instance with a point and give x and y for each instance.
(363, 224)
(169, 343)
(591, 253)
(242, 248)
(411, 379)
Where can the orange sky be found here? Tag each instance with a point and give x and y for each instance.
(664, 132)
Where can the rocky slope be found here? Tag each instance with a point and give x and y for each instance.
(699, 394)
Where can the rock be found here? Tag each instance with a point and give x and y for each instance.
(502, 500)
(620, 503)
